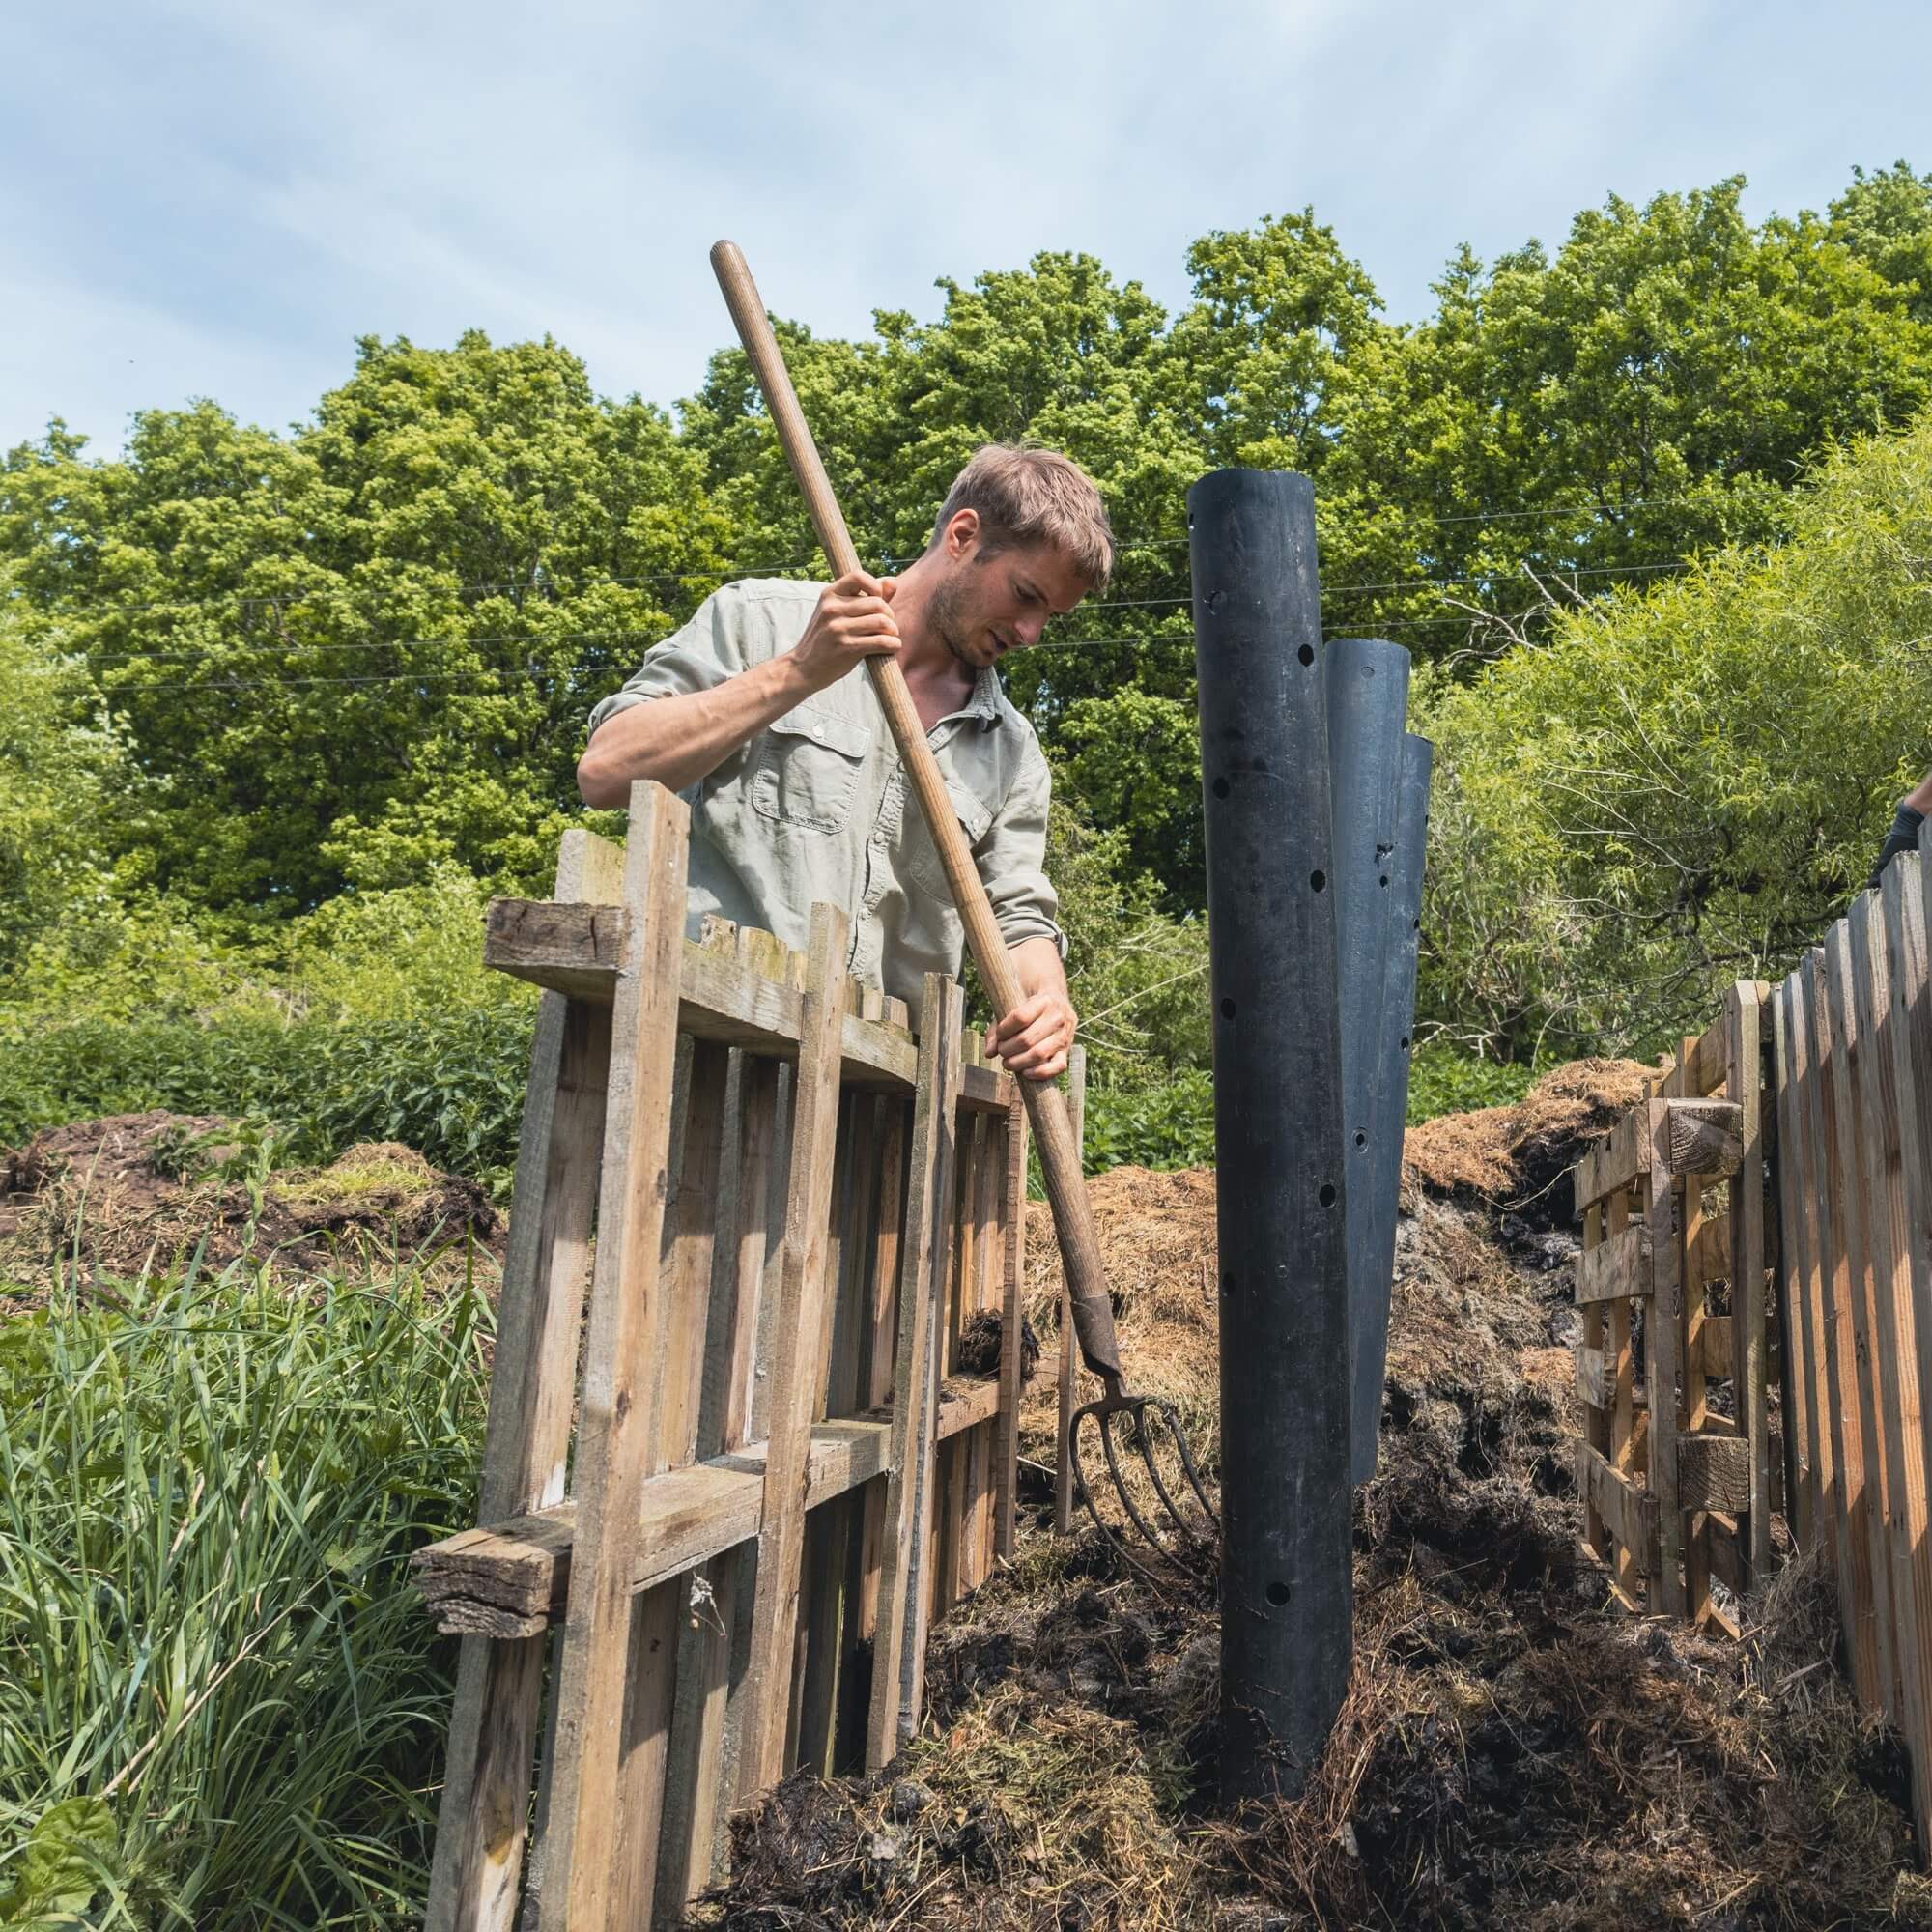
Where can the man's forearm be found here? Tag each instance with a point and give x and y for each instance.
(1038, 966)
(680, 739)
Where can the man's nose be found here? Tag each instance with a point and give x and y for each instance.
(1029, 627)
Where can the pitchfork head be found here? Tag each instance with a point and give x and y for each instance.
(1140, 1433)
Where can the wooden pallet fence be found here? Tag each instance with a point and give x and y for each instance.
(712, 1556)
(1853, 1026)
(1678, 1469)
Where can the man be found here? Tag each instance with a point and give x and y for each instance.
(1905, 823)
(758, 713)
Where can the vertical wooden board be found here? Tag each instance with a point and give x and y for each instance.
(794, 1370)
(1063, 1461)
(692, 1224)
(1810, 1522)
(1664, 1331)
(897, 1678)
(976, 1514)
(1596, 1421)
(477, 1869)
(1694, 1409)
(1854, 1510)
(694, 1776)
(1012, 1319)
(1743, 1018)
(1894, 1327)
(878, 1390)
(971, 1131)
(1909, 1002)
(755, 1240)
(649, 1692)
(1853, 1258)
(1629, 1570)
(614, 1432)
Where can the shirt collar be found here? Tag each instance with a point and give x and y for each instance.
(987, 692)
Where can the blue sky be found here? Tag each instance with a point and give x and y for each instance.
(216, 198)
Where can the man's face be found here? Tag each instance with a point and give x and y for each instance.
(987, 606)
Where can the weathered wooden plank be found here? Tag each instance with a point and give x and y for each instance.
(898, 1680)
(1909, 1037)
(1842, 1119)
(1614, 1160)
(1063, 1460)
(1694, 1408)
(1858, 1541)
(1714, 1346)
(1628, 1454)
(1714, 1473)
(1701, 1137)
(1663, 1335)
(1707, 1062)
(479, 1844)
(1617, 1268)
(1793, 1176)
(1012, 1314)
(1710, 1254)
(615, 1431)
(795, 1383)
(1880, 1146)
(1595, 1385)
(1628, 1510)
(1742, 1261)
(571, 948)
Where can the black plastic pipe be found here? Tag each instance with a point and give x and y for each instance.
(1366, 684)
(1388, 1099)
(1287, 1597)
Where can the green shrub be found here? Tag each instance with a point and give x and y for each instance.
(1446, 1079)
(1168, 1124)
(220, 1702)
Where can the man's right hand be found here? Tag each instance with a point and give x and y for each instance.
(853, 622)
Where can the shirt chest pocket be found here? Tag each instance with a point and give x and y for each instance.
(922, 856)
(808, 772)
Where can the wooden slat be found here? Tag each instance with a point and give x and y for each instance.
(1694, 1409)
(1858, 1539)
(571, 948)
(1617, 1268)
(1594, 1385)
(1628, 1510)
(794, 1372)
(1615, 1160)
(1743, 1264)
(1714, 1346)
(1063, 1459)
(1908, 1039)
(1880, 1143)
(580, 1859)
(480, 1844)
(1012, 1317)
(1663, 1334)
(1709, 1256)
(1794, 1279)
(512, 1576)
(897, 1676)
(1701, 1137)
(1628, 1453)
(1842, 1120)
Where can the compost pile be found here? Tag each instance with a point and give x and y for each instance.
(1512, 1753)
(101, 1200)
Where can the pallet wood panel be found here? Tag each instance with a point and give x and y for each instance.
(734, 1447)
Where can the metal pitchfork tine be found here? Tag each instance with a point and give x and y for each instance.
(1045, 1103)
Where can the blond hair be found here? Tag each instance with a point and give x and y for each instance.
(1023, 495)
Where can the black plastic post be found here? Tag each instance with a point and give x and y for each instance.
(1287, 1596)
(1388, 1101)
(1366, 684)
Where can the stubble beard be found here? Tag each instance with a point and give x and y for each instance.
(944, 613)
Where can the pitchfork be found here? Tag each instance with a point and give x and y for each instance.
(1142, 1416)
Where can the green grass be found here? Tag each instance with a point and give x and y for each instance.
(220, 1703)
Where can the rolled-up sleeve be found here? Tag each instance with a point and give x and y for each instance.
(1011, 857)
(703, 653)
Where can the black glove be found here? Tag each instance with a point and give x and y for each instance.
(1902, 838)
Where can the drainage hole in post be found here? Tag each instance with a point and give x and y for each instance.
(1361, 1139)
(1306, 654)
(1318, 880)
(1220, 787)
(1327, 1195)
(1227, 1009)
(1277, 1593)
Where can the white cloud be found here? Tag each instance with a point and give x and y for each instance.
(219, 196)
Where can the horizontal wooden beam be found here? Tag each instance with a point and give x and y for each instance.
(1614, 1159)
(510, 1578)
(1713, 1473)
(575, 949)
(1617, 1268)
(1628, 1512)
(1702, 1137)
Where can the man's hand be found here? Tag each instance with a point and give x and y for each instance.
(853, 621)
(1036, 1038)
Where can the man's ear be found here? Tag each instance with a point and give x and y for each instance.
(962, 532)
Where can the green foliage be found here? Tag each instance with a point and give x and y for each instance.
(1168, 1125)
(220, 1700)
(1684, 787)
(1442, 1079)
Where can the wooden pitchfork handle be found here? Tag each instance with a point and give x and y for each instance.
(1045, 1103)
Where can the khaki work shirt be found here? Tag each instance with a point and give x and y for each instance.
(817, 805)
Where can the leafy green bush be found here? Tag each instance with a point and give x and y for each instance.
(220, 1703)
(1170, 1124)
(1446, 1079)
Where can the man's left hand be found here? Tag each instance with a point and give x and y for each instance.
(1036, 1038)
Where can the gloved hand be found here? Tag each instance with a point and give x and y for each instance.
(1902, 838)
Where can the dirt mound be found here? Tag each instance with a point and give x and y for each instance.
(119, 1193)
(1517, 1157)
(1511, 1752)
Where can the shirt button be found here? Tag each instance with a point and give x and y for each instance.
(819, 731)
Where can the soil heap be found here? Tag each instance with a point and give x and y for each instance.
(1512, 1753)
